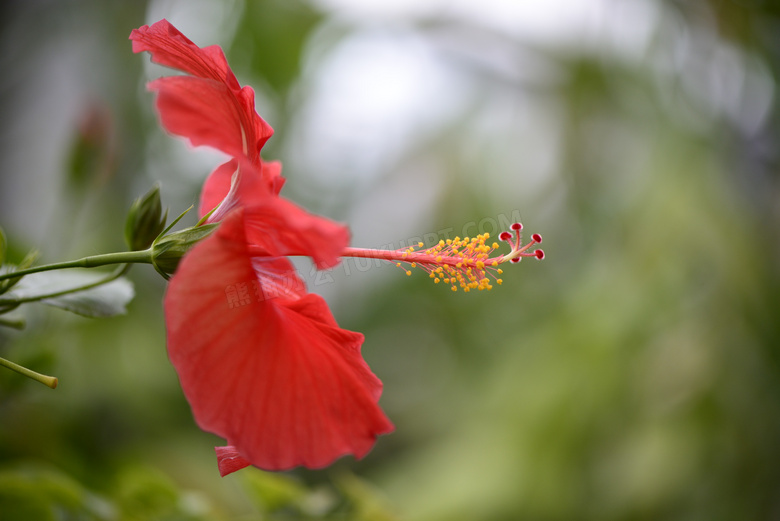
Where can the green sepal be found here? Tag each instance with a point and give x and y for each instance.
(27, 261)
(145, 220)
(167, 251)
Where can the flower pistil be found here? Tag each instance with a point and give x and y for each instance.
(460, 262)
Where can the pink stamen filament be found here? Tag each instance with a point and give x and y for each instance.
(457, 262)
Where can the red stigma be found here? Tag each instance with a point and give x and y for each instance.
(536, 237)
(504, 236)
(517, 227)
(539, 253)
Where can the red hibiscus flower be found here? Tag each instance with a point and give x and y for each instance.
(262, 363)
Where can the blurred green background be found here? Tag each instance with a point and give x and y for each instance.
(633, 374)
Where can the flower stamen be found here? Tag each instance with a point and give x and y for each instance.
(460, 262)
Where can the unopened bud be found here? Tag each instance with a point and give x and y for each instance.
(145, 220)
(168, 251)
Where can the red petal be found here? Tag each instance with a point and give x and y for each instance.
(171, 48)
(216, 187)
(229, 460)
(272, 173)
(276, 377)
(277, 227)
(218, 184)
(204, 111)
(241, 131)
(281, 228)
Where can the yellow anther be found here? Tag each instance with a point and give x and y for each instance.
(414, 265)
(419, 245)
(499, 281)
(499, 271)
(494, 263)
(408, 273)
(438, 258)
(480, 265)
(436, 280)
(454, 288)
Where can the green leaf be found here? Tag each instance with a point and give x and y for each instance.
(101, 301)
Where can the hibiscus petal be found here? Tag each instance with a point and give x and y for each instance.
(277, 227)
(216, 187)
(272, 173)
(281, 228)
(229, 460)
(204, 111)
(220, 181)
(169, 47)
(276, 377)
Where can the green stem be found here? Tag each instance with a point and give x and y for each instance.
(49, 381)
(121, 270)
(126, 257)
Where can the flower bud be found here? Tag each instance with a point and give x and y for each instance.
(145, 220)
(168, 251)
(92, 155)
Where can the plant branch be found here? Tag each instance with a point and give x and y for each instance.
(93, 261)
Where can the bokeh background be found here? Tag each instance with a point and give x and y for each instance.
(633, 374)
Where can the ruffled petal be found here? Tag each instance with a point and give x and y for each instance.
(276, 227)
(169, 47)
(276, 377)
(281, 228)
(203, 111)
(242, 131)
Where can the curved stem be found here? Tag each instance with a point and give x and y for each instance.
(127, 257)
(49, 381)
